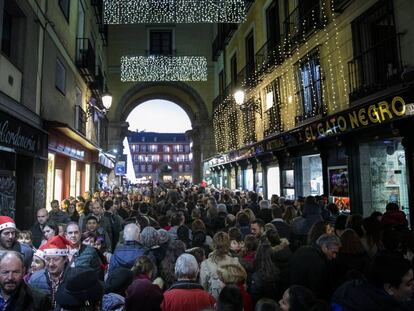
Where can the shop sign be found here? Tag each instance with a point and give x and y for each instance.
(18, 135)
(361, 117)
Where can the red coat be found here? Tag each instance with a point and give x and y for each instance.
(188, 296)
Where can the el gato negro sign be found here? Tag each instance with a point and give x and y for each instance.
(377, 113)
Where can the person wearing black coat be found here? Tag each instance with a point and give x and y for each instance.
(264, 281)
(310, 266)
(19, 295)
(390, 286)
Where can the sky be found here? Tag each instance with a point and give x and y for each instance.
(159, 116)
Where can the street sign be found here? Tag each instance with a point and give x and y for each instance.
(120, 168)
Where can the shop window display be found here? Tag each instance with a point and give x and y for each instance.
(383, 172)
(312, 175)
(288, 179)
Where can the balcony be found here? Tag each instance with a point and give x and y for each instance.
(302, 21)
(272, 122)
(80, 120)
(375, 69)
(267, 58)
(85, 58)
(97, 85)
(247, 76)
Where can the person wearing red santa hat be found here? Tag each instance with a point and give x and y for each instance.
(8, 240)
(49, 279)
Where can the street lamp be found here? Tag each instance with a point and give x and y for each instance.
(251, 104)
(107, 100)
(239, 97)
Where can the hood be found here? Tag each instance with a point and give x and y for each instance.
(113, 302)
(283, 243)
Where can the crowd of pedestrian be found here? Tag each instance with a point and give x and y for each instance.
(177, 247)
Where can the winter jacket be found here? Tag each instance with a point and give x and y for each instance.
(125, 255)
(309, 267)
(360, 295)
(208, 274)
(282, 228)
(263, 286)
(281, 256)
(348, 265)
(113, 302)
(311, 214)
(188, 296)
(265, 214)
(28, 299)
(87, 256)
(142, 295)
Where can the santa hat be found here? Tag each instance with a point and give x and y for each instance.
(56, 246)
(6, 222)
(39, 253)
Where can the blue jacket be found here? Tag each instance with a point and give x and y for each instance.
(39, 281)
(126, 254)
(113, 302)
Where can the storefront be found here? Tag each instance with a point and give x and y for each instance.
(362, 158)
(23, 160)
(71, 160)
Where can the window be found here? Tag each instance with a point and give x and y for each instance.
(149, 168)
(166, 158)
(143, 167)
(7, 33)
(178, 148)
(60, 79)
(166, 148)
(180, 168)
(187, 148)
(65, 7)
(161, 42)
(222, 83)
(272, 24)
(13, 33)
(187, 168)
(309, 84)
(249, 50)
(272, 120)
(377, 62)
(233, 69)
(143, 148)
(153, 148)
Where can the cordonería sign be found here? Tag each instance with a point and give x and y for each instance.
(20, 136)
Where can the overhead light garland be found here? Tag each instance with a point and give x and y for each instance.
(296, 49)
(174, 11)
(163, 68)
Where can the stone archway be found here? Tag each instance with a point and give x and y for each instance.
(179, 93)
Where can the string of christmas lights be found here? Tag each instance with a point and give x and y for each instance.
(163, 68)
(315, 36)
(173, 11)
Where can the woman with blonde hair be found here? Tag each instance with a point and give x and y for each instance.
(219, 257)
(235, 274)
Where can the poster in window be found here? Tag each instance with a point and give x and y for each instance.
(338, 181)
(7, 193)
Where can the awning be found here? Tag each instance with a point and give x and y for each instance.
(72, 133)
(106, 160)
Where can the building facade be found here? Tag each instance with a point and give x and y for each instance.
(161, 156)
(53, 125)
(328, 102)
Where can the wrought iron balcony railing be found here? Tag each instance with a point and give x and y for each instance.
(85, 58)
(376, 68)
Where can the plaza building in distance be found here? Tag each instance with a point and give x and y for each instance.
(161, 156)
